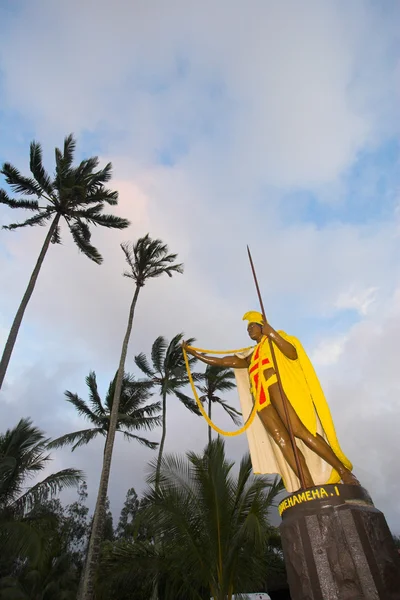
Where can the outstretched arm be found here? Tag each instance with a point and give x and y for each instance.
(285, 347)
(233, 362)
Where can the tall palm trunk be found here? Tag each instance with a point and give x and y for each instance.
(93, 555)
(154, 595)
(209, 416)
(12, 336)
(163, 436)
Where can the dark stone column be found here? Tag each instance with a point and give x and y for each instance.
(338, 546)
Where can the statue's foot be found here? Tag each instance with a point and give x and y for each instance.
(349, 479)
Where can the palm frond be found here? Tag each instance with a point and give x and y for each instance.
(143, 364)
(174, 362)
(158, 351)
(138, 420)
(69, 150)
(133, 408)
(20, 184)
(100, 196)
(130, 436)
(148, 259)
(82, 408)
(232, 412)
(99, 178)
(84, 172)
(40, 219)
(21, 456)
(37, 169)
(76, 438)
(94, 396)
(19, 538)
(85, 213)
(83, 228)
(188, 402)
(111, 391)
(78, 232)
(48, 487)
(164, 270)
(110, 221)
(21, 203)
(173, 356)
(56, 237)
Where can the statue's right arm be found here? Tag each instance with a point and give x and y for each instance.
(230, 362)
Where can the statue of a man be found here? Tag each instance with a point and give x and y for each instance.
(321, 458)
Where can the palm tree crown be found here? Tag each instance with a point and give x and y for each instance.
(218, 379)
(168, 373)
(22, 456)
(167, 370)
(76, 194)
(134, 414)
(212, 525)
(217, 523)
(148, 259)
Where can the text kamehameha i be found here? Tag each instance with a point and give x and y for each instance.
(318, 493)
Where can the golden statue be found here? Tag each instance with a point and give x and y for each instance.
(307, 415)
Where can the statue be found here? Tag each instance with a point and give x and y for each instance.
(320, 456)
(336, 543)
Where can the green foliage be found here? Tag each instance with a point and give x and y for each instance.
(148, 259)
(76, 194)
(128, 515)
(167, 370)
(213, 530)
(39, 540)
(134, 413)
(131, 525)
(215, 380)
(108, 531)
(23, 455)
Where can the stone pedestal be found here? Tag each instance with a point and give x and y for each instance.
(338, 546)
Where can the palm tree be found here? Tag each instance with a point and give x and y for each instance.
(168, 373)
(76, 194)
(48, 575)
(22, 456)
(146, 259)
(133, 415)
(218, 379)
(213, 525)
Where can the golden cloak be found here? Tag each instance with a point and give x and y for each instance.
(302, 388)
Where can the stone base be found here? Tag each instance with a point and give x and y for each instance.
(338, 546)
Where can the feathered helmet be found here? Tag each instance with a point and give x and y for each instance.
(254, 316)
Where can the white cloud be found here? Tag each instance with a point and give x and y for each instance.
(298, 101)
(329, 351)
(363, 390)
(359, 300)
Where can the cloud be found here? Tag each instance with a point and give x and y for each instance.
(359, 301)
(280, 89)
(329, 351)
(363, 388)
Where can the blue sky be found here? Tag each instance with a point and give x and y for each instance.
(227, 125)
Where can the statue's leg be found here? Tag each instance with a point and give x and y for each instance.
(277, 430)
(315, 443)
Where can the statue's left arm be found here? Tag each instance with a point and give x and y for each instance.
(284, 346)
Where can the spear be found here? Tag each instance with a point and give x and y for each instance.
(284, 399)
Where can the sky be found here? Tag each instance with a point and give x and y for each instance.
(273, 124)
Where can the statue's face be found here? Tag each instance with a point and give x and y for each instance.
(254, 331)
